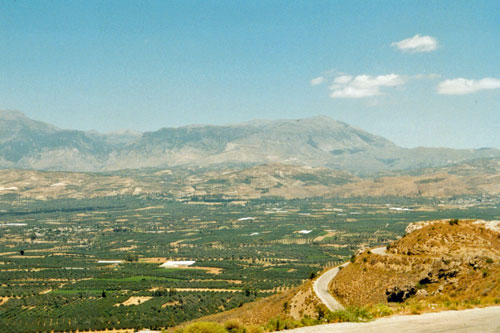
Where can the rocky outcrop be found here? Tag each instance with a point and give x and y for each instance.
(400, 294)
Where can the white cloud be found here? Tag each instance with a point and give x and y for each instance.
(416, 44)
(463, 86)
(317, 81)
(345, 86)
(343, 79)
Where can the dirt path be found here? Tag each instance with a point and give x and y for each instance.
(485, 320)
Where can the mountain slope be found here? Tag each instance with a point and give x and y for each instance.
(317, 141)
(25, 143)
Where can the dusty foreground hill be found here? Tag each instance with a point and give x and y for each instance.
(447, 263)
(437, 265)
(295, 307)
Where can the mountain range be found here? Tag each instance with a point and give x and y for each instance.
(316, 142)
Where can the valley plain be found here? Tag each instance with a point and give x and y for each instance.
(171, 240)
(73, 241)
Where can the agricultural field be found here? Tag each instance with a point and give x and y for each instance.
(94, 263)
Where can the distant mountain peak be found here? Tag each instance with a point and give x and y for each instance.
(318, 141)
(11, 114)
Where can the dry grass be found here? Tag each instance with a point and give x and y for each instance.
(288, 304)
(211, 270)
(152, 260)
(457, 264)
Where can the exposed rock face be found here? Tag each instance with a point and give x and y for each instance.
(399, 294)
(490, 225)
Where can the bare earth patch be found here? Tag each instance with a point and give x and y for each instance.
(208, 289)
(329, 234)
(26, 256)
(148, 208)
(152, 260)
(128, 248)
(221, 280)
(176, 243)
(173, 303)
(211, 270)
(135, 300)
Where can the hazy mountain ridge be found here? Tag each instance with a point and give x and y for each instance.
(317, 141)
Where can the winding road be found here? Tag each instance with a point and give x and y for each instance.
(472, 320)
(320, 288)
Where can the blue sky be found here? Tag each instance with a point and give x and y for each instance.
(420, 73)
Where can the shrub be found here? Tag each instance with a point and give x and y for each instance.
(234, 326)
(131, 257)
(380, 310)
(279, 324)
(351, 314)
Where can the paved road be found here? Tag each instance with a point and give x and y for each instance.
(321, 284)
(320, 287)
(485, 320)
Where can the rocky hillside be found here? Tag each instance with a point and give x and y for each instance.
(436, 262)
(317, 141)
(62, 185)
(476, 178)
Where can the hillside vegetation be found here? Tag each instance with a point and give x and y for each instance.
(442, 263)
